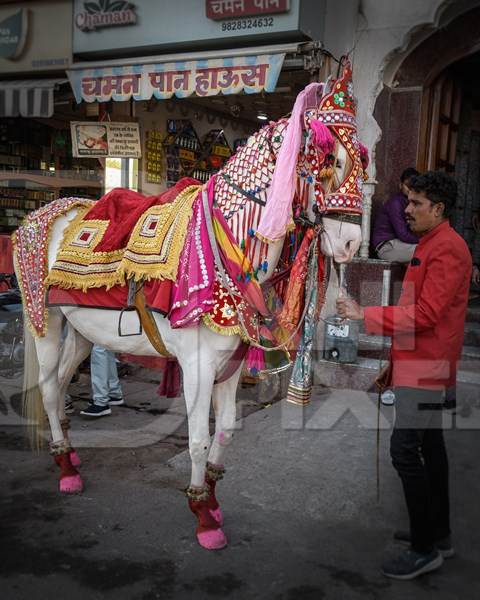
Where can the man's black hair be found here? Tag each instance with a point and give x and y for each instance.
(437, 187)
(408, 174)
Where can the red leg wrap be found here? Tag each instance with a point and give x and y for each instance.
(201, 509)
(212, 501)
(65, 464)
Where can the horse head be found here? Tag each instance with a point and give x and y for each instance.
(309, 164)
(334, 162)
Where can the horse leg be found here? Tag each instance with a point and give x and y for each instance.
(75, 348)
(48, 351)
(224, 395)
(198, 383)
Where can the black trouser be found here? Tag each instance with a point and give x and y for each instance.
(419, 455)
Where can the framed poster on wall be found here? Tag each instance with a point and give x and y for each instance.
(96, 140)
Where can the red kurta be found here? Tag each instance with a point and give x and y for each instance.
(427, 326)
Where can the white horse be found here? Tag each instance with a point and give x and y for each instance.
(201, 353)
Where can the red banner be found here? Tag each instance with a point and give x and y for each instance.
(226, 9)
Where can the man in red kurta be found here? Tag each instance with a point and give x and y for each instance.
(427, 335)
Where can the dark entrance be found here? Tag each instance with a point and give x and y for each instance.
(430, 117)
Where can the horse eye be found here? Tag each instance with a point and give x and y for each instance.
(338, 164)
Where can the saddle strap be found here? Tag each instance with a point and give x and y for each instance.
(149, 324)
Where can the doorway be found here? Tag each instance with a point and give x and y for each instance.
(450, 136)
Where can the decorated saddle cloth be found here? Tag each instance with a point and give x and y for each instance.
(163, 240)
(125, 235)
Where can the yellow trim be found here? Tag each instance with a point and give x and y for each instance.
(167, 243)
(145, 257)
(227, 330)
(79, 256)
(84, 282)
(290, 227)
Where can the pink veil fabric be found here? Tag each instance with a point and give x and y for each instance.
(277, 215)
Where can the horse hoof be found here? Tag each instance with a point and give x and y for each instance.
(212, 539)
(217, 515)
(75, 459)
(71, 484)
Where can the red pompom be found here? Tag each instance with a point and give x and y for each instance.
(364, 156)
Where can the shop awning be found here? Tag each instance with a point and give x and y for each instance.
(251, 70)
(28, 97)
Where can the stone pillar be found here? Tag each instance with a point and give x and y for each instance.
(368, 191)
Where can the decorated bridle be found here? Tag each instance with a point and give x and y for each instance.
(329, 126)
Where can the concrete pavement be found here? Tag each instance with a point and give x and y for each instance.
(299, 498)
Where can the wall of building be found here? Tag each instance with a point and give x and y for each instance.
(389, 112)
(384, 30)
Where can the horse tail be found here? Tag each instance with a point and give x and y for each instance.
(32, 405)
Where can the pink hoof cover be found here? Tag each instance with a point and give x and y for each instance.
(217, 515)
(70, 480)
(213, 539)
(75, 459)
(71, 484)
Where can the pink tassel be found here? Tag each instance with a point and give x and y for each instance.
(322, 137)
(255, 360)
(364, 156)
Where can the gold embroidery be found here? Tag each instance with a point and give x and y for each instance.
(157, 240)
(228, 330)
(153, 250)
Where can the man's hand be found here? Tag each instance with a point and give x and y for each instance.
(475, 275)
(347, 308)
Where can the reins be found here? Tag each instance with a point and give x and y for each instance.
(224, 280)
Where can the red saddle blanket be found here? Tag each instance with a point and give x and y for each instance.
(157, 296)
(121, 209)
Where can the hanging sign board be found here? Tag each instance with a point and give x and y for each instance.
(224, 9)
(251, 74)
(118, 140)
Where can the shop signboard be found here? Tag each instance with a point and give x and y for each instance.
(224, 9)
(105, 13)
(13, 34)
(96, 140)
(251, 74)
(35, 37)
(99, 26)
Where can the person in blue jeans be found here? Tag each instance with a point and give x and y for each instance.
(106, 389)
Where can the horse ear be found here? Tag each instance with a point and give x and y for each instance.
(322, 138)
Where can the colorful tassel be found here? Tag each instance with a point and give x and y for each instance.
(255, 360)
(322, 138)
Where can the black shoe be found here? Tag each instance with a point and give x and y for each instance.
(410, 564)
(115, 401)
(94, 410)
(444, 546)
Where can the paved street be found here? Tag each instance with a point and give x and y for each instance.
(299, 499)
